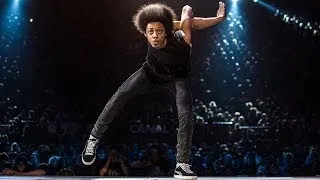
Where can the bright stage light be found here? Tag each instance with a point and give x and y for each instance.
(16, 2)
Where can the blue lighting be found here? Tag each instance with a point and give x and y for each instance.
(231, 51)
(268, 6)
(15, 5)
(13, 27)
(289, 18)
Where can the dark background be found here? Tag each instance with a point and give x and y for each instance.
(83, 49)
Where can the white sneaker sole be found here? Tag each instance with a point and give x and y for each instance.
(185, 177)
(88, 163)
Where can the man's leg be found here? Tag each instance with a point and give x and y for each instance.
(134, 85)
(185, 130)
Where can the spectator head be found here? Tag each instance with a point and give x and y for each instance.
(15, 148)
(44, 153)
(289, 158)
(56, 162)
(239, 151)
(7, 164)
(250, 159)
(4, 157)
(249, 105)
(21, 164)
(264, 117)
(237, 126)
(4, 138)
(227, 160)
(154, 152)
(224, 149)
(241, 120)
(220, 116)
(35, 159)
(114, 152)
(210, 114)
(212, 105)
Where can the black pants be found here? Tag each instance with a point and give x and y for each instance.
(138, 83)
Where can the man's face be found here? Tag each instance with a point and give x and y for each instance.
(21, 166)
(156, 35)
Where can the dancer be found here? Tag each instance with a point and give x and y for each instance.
(167, 66)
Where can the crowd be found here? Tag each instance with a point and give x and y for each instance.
(262, 140)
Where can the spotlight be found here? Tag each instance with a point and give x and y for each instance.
(255, 1)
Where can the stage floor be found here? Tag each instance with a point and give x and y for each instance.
(149, 178)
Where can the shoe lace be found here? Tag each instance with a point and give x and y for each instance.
(186, 168)
(90, 147)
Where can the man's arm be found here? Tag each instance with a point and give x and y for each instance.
(37, 172)
(124, 167)
(185, 23)
(176, 25)
(202, 23)
(198, 23)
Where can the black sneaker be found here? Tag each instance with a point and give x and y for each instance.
(183, 171)
(89, 152)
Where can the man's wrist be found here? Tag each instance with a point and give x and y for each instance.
(17, 173)
(220, 18)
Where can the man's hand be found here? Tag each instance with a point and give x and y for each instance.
(221, 11)
(111, 158)
(198, 23)
(9, 172)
